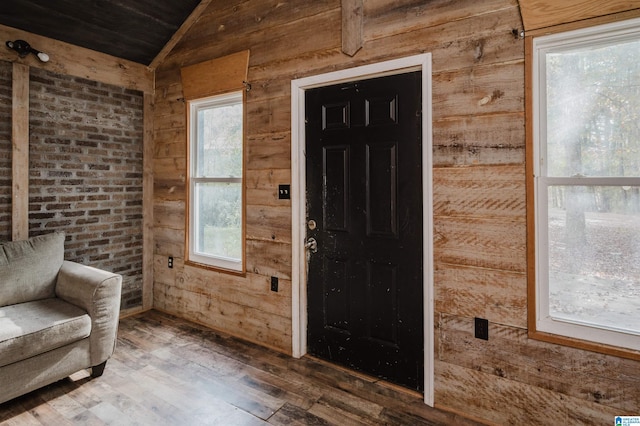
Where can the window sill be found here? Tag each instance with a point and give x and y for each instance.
(218, 269)
(584, 345)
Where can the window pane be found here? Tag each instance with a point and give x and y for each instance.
(219, 136)
(594, 255)
(219, 220)
(593, 111)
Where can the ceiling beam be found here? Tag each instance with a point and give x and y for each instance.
(177, 36)
(68, 59)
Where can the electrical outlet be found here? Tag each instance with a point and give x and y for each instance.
(274, 284)
(482, 328)
(170, 262)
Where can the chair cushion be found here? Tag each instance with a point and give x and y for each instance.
(29, 268)
(31, 328)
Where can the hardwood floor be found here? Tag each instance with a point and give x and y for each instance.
(167, 371)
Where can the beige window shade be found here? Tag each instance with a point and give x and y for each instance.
(220, 75)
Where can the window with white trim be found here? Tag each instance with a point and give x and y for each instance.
(216, 231)
(586, 134)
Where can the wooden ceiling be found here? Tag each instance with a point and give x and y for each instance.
(136, 30)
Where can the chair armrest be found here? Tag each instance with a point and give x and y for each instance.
(97, 292)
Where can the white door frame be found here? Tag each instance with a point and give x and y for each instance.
(298, 198)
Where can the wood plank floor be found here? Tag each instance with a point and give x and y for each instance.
(167, 371)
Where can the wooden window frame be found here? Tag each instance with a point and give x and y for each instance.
(214, 264)
(531, 159)
(209, 79)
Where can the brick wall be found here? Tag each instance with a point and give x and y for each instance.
(86, 173)
(5, 150)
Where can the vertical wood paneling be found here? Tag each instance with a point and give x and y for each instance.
(20, 154)
(147, 203)
(352, 17)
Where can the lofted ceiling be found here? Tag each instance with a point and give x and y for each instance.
(135, 30)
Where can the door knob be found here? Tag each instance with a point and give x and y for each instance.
(311, 245)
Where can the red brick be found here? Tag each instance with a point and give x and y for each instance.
(85, 155)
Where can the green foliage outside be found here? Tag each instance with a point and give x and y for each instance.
(219, 193)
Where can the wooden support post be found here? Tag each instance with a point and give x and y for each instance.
(20, 154)
(147, 203)
(352, 22)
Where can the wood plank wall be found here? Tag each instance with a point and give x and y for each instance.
(537, 14)
(479, 198)
(20, 154)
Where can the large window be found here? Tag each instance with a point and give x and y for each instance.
(216, 236)
(586, 133)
